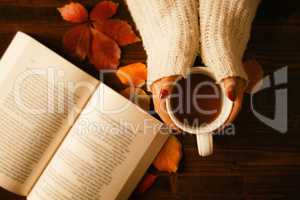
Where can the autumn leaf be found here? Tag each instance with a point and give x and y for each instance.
(76, 41)
(133, 75)
(103, 10)
(74, 12)
(169, 157)
(255, 74)
(119, 30)
(147, 181)
(100, 44)
(105, 52)
(137, 96)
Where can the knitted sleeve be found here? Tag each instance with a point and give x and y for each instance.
(170, 33)
(225, 30)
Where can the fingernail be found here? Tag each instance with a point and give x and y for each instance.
(163, 93)
(232, 95)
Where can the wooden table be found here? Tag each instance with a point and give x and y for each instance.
(256, 163)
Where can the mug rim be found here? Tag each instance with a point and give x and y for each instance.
(216, 123)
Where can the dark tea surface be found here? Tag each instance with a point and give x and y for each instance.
(196, 100)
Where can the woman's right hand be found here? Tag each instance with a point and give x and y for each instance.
(234, 88)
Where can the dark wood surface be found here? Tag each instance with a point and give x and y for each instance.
(257, 162)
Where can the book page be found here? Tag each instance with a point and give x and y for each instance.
(41, 96)
(105, 154)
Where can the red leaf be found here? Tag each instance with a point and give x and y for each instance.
(146, 182)
(103, 10)
(76, 41)
(105, 52)
(133, 75)
(119, 30)
(255, 74)
(74, 12)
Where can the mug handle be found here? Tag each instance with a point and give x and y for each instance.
(205, 144)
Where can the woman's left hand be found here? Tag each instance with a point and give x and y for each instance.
(234, 88)
(161, 89)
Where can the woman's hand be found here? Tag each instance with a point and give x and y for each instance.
(161, 89)
(234, 88)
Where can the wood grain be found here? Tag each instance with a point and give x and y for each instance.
(255, 163)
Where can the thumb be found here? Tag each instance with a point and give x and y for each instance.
(234, 87)
(230, 88)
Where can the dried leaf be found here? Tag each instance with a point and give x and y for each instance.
(76, 41)
(137, 96)
(100, 46)
(147, 181)
(74, 12)
(105, 52)
(119, 30)
(133, 75)
(169, 157)
(255, 73)
(103, 10)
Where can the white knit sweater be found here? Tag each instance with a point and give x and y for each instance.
(171, 34)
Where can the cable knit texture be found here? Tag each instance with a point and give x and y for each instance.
(225, 30)
(170, 33)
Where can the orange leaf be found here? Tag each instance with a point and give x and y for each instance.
(170, 155)
(133, 75)
(119, 30)
(74, 12)
(103, 10)
(147, 181)
(137, 96)
(76, 41)
(105, 52)
(255, 73)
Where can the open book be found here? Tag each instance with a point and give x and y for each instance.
(64, 134)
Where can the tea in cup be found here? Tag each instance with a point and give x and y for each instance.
(198, 105)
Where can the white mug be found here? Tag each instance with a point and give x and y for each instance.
(204, 134)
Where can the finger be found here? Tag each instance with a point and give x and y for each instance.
(160, 93)
(234, 87)
(230, 86)
(237, 105)
(161, 109)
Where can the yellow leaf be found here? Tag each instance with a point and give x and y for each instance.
(169, 157)
(133, 75)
